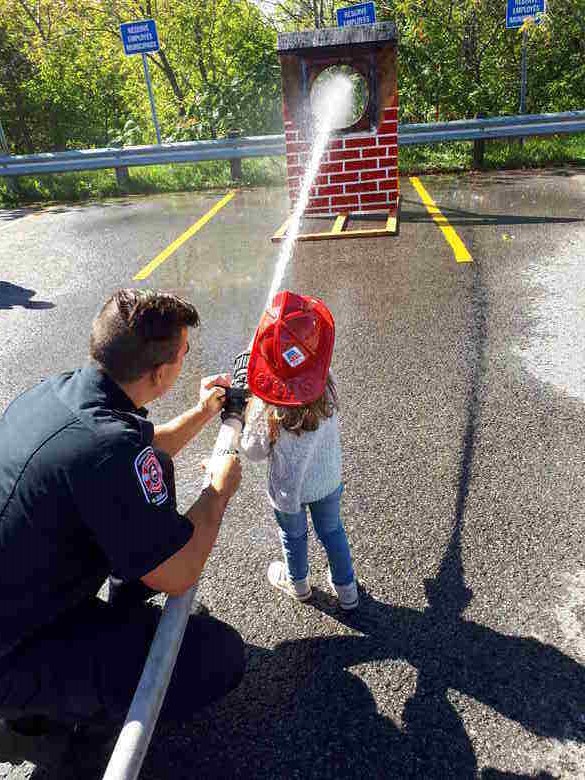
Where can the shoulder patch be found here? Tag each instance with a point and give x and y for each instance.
(150, 476)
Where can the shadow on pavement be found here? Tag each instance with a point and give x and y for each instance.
(302, 712)
(12, 295)
(514, 175)
(10, 214)
(463, 217)
(46, 752)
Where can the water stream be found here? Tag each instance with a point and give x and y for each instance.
(330, 108)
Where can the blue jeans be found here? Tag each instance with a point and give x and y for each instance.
(330, 532)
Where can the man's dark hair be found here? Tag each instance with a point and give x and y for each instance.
(138, 330)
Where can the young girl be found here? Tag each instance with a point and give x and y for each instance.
(292, 421)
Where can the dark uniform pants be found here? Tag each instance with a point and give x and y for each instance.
(86, 665)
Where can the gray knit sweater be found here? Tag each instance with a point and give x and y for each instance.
(301, 469)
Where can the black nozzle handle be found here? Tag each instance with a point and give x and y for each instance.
(234, 404)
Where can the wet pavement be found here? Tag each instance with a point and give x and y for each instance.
(463, 430)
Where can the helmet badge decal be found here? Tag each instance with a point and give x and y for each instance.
(294, 357)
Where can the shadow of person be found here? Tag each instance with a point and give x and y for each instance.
(301, 711)
(525, 680)
(12, 295)
(310, 707)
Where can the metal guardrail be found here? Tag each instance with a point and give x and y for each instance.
(520, 126)
(273, 145)
(496, 121)
(188, 151)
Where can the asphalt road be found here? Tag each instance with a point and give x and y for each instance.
(462, 390)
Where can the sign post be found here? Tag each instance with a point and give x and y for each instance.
(524, 71)
(3, 142)
(151, 98)
(364, 13)
(140, 38)
(517, 13)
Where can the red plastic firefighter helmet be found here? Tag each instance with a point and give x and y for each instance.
(291, 353)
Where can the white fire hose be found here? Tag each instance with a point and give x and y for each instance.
(134, 739)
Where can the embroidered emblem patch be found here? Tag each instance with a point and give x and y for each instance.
(294, 357)
(150, 475)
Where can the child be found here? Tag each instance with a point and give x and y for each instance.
(292, 420)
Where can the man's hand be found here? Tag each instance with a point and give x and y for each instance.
(212, 394)
(226, 475)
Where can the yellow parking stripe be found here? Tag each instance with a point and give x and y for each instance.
(339, 224)
(145, 272)
(459, 249)
(283, 228)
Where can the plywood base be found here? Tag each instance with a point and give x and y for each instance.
(338, 230)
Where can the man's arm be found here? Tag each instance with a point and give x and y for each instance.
(172, 436)
(175, 575)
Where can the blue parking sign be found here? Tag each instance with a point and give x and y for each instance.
(139, 37)
(364, 13)
(517, 11)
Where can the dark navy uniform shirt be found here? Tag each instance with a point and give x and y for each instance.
(82, 494)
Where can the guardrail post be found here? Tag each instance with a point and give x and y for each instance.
(12, 185)
(235, 164)
(479, 149)
(123, 177)
(11, 181)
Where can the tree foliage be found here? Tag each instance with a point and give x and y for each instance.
(457, 59)
(65, 82)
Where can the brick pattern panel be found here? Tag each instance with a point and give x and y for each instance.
(358, 172)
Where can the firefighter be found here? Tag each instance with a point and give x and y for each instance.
(87, 491)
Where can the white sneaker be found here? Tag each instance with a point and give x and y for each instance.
(347, 594)
(297, 589)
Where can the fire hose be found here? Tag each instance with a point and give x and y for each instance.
(134, 739)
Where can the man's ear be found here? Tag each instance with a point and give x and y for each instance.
(157, 376)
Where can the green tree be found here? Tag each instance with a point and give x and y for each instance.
(67, 83)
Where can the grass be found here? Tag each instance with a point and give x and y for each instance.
(94, 185)
(533, 153)
(438, 158)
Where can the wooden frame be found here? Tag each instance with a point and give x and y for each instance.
(338, 230)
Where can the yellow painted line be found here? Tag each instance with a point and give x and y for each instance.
(460, 250)
(391, 223)
(283, 228)
(145, 272)
(339, 224)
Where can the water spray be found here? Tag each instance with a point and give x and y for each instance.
(331, 106)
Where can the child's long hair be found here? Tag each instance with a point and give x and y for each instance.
(297, 419)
